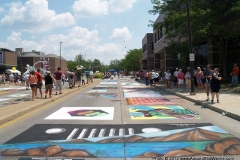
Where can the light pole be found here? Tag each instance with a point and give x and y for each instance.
(190, 49)
(60, 56)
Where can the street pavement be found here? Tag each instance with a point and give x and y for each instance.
(118, 119)
(228, 106)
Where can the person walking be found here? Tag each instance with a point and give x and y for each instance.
(188, 80)
(78, 77)
(216, 78)
(175, 81)
(199, 75)
(180, 78)
(147, 78)
(49, 80)
(168, 79)
(234, 74)
(39, 83)
(91, 75)
(207, 75)
(71, 79)
(33, 83)
(83, 79)
(63, 79)
(58, 83)
(26, 80)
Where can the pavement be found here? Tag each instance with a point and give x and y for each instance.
(11, 112)
(228, 106)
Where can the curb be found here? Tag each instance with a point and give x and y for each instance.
(229, 114)
(39, 105)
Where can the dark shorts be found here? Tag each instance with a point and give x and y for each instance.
(156, 80)
(33, 85)
(39, 84)
(215, 87)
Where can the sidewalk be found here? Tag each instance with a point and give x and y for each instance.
(10, 112)
(229, 102)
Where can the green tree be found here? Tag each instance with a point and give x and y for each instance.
(114, 64)
(72, 65)
(131, 59)
(216, 20)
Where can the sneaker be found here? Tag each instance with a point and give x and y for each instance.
(207, 99)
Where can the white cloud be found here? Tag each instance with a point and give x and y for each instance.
(98, 8)
(76, 40)
(121, 33)
(35, 17)
(1, 9)
(121, 5)
(90, 8)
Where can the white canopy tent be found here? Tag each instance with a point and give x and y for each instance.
(9, 71)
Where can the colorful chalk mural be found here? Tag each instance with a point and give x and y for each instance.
(82, 113)
(148, 94)
(161, 112)
(149, 101)
(122, 141)
(97, 91)
(101, 95)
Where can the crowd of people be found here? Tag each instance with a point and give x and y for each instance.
(208, 79)
(34, 80)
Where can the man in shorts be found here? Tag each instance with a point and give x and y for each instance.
(58, 77)
(207, 75)
(180, 78)
(78, 75)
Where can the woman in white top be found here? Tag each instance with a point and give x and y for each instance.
(168, 79)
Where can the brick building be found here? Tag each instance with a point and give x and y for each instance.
(147, 61)
(8, 59)
(32, 57)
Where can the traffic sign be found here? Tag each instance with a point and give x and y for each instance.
(191, 57)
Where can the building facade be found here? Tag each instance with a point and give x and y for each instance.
(8, 59)
(147, 61)
(51, 61)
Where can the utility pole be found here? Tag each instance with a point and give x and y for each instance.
(191, 59)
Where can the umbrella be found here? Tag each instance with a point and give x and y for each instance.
(80, 67)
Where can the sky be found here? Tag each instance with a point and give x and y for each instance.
(96, 29)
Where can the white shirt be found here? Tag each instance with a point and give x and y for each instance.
(167, 75)
(91, 73)
(176, 73)
(187, 75)
(155, 75)
(26, 77)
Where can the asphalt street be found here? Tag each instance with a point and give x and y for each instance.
(95, 123)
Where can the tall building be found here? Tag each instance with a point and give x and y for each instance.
(147, 61)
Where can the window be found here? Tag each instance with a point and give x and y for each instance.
(1, 57)
(155, 37)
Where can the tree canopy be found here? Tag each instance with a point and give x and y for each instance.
(215, 20)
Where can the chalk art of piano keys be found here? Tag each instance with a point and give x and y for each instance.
(122, 141)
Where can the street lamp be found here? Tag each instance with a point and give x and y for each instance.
(60, 56)
(191, 55)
